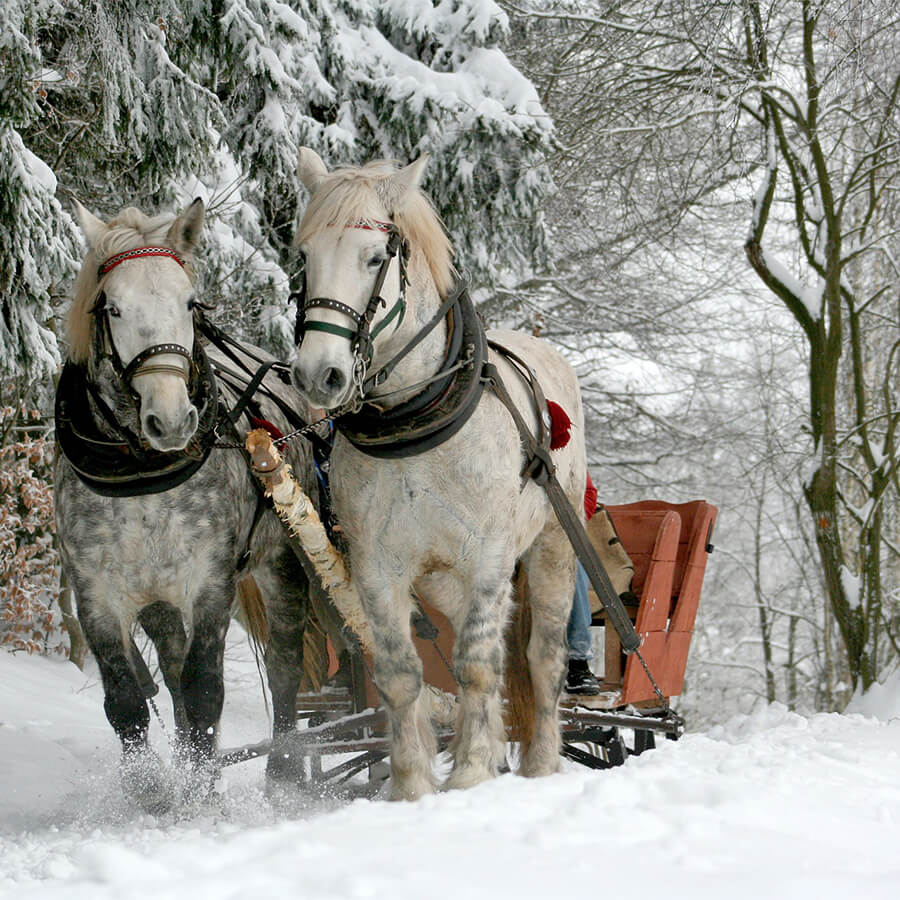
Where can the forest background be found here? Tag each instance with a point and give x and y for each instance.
(697, 200)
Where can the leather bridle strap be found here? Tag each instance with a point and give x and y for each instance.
(136, 253)
(138, 366)
(360, 336)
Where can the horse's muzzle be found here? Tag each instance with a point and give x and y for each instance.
(168, 433)
(325, 387)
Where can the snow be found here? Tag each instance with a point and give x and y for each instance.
(773, 803)
(809, 294)
(851, 584)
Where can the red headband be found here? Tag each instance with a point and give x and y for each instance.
(137, 253)
(373, 225)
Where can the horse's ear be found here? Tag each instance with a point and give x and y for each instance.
(399, 186)
(91, 227)
(185, 230)
(310, 168)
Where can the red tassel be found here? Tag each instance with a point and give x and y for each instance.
(274, 433)
(590, 498)
(560, 424)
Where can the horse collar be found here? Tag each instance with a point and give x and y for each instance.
(123, 466)
(442, 408)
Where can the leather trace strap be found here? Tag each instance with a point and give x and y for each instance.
(544, 474)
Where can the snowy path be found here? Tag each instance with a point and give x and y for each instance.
(771, 806)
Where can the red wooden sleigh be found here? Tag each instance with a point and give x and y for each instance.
(668, 544)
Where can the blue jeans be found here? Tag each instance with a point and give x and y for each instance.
(579, 628)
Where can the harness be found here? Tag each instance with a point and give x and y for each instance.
(113, 460)
(361, 336)
(445, 404)
(116, 461)
(105, 347)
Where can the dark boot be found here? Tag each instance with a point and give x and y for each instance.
(580, 679)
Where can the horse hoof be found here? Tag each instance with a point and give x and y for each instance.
(285, 769)
(410, 788)
(465, 777)
(145, 781)
(286, 764)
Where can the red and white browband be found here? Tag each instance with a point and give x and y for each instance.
(373, 225)
(138, 252)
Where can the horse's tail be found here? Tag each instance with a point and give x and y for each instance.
(251, 613)
(519, 687)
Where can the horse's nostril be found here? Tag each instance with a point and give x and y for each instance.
(298, 377)
(153, 426)
(191, 420)
(334, 379)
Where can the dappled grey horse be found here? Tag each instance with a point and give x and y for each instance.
(156, 525)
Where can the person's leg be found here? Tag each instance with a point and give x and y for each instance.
(579, 629)
(580, 679)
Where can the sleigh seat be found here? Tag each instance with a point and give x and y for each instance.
(668, 543)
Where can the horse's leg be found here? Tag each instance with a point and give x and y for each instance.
(480, 744)
(123, 699)
(398, 677)
(125, 706)
(550, 568)
(165, 627)
(202, 681)
(287, 609)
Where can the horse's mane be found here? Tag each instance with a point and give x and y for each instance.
(345, 197)
(129, 229)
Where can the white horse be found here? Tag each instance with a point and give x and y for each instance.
(448, 519)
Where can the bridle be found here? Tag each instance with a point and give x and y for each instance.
(362, 335)
(105, 347)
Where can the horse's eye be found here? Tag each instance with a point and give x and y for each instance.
(375, 261)
(113, 310)
(192, 303)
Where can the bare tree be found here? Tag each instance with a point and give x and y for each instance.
(711, 125)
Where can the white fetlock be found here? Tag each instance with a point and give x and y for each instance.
(463, 777)
(411, 787)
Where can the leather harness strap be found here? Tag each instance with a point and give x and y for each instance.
(541, 469)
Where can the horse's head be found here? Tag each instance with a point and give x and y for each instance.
(351, 236)
(132, 311)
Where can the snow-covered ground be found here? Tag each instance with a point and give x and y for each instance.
(769, 806)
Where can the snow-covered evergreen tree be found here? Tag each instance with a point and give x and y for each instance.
(150, 103)
(33, 258)
(428, 76)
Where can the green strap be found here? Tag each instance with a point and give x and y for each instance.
(339, 330)
(398, 307)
